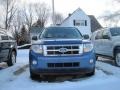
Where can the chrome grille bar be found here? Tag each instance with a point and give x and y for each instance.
(54, 50)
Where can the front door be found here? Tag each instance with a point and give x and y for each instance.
(106, 43)
(98, 43)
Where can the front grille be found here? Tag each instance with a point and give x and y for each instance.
(54, 50)
(74, 64)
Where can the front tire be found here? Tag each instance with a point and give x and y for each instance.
(117, 59)
(12, 59)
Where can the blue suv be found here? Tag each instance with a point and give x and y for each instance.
(61, 51)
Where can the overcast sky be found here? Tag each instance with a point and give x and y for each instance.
(95, 7)
(90, 7)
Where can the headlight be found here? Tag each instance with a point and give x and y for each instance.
(87, 47)
(37, 48)
(81, 49)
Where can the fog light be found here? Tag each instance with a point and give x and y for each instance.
(34, 62)
(91, 61)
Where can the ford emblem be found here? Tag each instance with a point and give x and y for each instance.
(63, 50)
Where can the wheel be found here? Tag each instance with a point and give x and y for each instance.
(117, 59)
(91, 73)
(12, 59)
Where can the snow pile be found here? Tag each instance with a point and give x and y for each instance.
(23, 56)
(22, 46)
(6, 75)
(108, 68)
(100, 81)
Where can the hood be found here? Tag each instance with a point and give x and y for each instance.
(59, 41)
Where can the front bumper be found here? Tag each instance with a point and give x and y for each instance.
(42, 64)
(75, 71)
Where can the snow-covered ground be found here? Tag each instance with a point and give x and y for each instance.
(107, 77)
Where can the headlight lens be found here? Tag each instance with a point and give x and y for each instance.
(88, 47)
(81, 49)
(37, 48)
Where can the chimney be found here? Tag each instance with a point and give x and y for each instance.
(69, 14)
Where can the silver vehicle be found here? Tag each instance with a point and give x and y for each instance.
(107, 43)
(8, 48)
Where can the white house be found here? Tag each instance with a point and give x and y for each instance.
(79, 20)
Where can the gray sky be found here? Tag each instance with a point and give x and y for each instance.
(90, 7)
(95, 7)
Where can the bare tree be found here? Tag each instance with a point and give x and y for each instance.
(9, 10)
(58, 18)
(19, 20)
(17, 24)
(28, 13)
(42, 12)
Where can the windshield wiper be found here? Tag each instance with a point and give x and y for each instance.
(48, 37)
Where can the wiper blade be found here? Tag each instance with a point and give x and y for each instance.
(48, 37)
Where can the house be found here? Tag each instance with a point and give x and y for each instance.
(85, 23)
(35, 31)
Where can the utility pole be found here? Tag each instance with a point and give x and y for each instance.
(53, 13)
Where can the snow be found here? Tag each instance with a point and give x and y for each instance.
(107, 77)
(109, 68)
(23, 46)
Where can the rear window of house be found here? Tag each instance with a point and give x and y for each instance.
(67, 33)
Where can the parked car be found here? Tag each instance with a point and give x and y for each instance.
(107, 43)
(8, 48)
(61, 51)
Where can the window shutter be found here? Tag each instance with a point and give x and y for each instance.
(85, 22)
(74, 22)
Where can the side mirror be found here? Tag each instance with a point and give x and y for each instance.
(106, 37)
(86, 36)
(34, 38)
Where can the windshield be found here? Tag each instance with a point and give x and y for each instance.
(115, 31)
(59, 32)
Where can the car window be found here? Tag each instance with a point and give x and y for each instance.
(4, 37)
(98, 35)
(61, 33)
(115, 31)
(105, 33)
(11, 38)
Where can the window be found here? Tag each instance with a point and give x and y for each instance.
(80, 22)
(115, 31)
(11, 38)
(68, 33)
(105, 33)
(4, 38)
(99, 35)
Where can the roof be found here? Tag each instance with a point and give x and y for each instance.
(5, 32)
(94, 23)
(70, 15)
(36, 30)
